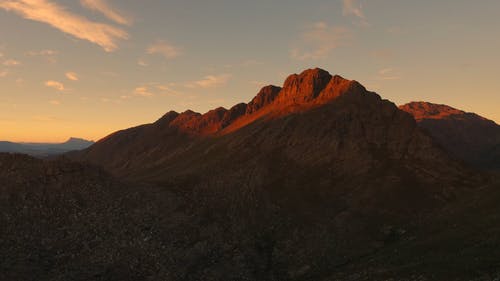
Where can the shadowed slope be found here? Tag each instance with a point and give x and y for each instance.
(467, 136)
(319, 132)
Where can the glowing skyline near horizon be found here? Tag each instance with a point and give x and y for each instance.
(88, 68)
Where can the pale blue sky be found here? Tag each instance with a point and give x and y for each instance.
(135, 60)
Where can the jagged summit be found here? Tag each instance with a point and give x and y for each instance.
(167, 118)
(310, 88)
(304, 87)
(266, 96)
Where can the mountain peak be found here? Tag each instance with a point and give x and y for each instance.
(265, 97)
(426, 110)
(167, 118)
(304, 87)
(312, 87)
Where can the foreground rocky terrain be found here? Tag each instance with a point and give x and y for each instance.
(65, 221)
(317, 180)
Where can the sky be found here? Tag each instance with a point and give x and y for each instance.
(86, 68)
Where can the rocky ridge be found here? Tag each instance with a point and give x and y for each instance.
(466, 136)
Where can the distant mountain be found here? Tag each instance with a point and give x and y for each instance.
(468, 136)
(45, 149)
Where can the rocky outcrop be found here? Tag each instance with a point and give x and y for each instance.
(234, 113)
(265, 97)
(304, 87)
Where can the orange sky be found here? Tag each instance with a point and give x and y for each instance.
(88, 68)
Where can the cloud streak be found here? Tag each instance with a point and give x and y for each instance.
(210, 81)
(104, 8)
(353, 8)
(143, 91)
(11, 62)
(55, 84)
(387, 74)
(72, 76)
(41, 53)
(153, 89)
(51, 13)
(319, 40)
(164, 49)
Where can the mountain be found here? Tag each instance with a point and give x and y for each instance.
(6, 146)
(320, 156)
(45, 149)
(468, 136)
(319, 179)
(314, 112)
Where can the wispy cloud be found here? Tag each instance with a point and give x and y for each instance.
(143, 91)
(164, 49)
(168, 89)
(34, 53)
(11, 62)
(141, 62)
(55, 84)
(210, 81)
(59, 17)
(319, 40)
(3, 73)
(353, 8)
(153, 89)
(49, 55)
(55, 102)
(72, 76)
(103, 7)
(387, 74)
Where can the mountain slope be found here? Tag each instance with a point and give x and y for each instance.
(468, 136)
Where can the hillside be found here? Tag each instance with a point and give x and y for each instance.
(467, 136)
